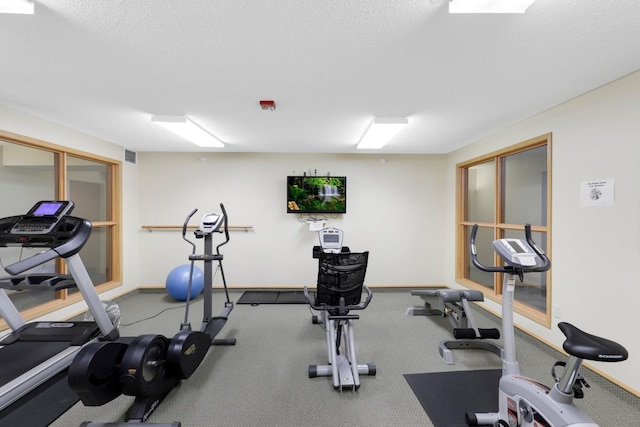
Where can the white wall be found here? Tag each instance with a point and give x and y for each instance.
(595, 249)
(394, 210)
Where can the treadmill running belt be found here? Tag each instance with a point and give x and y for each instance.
(42, 406)
(22, 356)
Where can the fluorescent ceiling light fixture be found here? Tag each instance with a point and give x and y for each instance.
(23, 7)
(188, 130)
(489, 6)
(381, 131)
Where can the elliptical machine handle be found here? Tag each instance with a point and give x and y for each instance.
(368, 299)
(226, 228)
(184, 230)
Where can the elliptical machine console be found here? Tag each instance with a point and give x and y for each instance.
(331, 240)
(210, 223)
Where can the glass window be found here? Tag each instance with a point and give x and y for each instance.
(88, 187)
(481, 192)
(27, 175)
(484, 237)
(513, 184)
(31, 171)
(524, 181)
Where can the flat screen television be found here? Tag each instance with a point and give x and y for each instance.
(317, 194)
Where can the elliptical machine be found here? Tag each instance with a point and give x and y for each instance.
(209, 224)
(149, 366)
(524, 401)
(339, 290)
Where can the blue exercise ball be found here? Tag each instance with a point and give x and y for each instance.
(177, 282)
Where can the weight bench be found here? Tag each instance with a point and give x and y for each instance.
(454, 305)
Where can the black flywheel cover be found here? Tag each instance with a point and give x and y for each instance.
(143, 369)
(186, 351)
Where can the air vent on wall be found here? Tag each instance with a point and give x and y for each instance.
(130, 156)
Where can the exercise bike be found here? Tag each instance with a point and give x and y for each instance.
(149, 366)
(524, 401)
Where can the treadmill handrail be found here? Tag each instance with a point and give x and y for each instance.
(31, 262)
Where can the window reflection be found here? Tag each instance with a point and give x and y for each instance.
(27, 175)
(481, 192)
(525, 187)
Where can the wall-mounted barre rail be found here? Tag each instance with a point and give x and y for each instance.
(151, 228)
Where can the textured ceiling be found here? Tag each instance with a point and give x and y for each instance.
(104, 67)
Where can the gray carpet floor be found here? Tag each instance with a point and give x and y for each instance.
(263, 380)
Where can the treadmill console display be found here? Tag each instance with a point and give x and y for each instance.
(48, 208)
(42, 217)
(516, 252)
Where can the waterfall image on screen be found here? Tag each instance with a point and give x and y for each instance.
(317, 194)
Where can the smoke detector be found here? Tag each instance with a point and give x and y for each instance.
(268, 105)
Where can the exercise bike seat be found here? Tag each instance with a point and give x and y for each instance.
(590, 347)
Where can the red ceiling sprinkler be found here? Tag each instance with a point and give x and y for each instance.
(268, 105)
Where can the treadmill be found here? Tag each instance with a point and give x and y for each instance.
(34, 352)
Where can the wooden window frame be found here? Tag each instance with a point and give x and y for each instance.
(62, 298)
(462, 246)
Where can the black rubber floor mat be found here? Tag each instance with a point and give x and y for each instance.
(447, 396)
(272, 297)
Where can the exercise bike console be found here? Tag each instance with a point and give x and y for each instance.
(516, 252)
